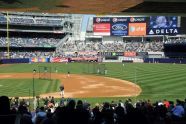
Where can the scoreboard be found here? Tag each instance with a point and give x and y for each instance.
(136, 26)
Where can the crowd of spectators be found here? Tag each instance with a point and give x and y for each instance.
(70, 48)
(70, 111)
(39, 54)
(145, 46)
(29, 42)
(176, 41)
(32, 20)
(115, 46)
(80, 46)
(36, 54)
(156, 46)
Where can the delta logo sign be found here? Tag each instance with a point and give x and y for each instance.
(163, 25)
(163, 31)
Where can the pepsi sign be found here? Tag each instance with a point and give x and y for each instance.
(137, 19)
(101, 20)
(121, 19)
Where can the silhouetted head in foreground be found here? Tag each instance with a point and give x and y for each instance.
(4, 105)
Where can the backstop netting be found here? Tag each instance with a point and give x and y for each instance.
(94, 68)
(44, 72)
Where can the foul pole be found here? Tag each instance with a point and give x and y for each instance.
(7, 35)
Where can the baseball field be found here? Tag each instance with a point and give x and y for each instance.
(137, 81)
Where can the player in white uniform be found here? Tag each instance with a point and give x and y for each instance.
(62, 90)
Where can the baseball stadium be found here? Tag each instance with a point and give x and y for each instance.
(118, 62)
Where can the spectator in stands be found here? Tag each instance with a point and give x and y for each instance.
(97, 116)
(143, 112)
(81, 113)
(166, 103)
(23, 116)
(107, 113)
(40, 116)
(6, 115)
(120, 113)
(178, 111)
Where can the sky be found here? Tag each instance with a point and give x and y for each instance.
(85, 22)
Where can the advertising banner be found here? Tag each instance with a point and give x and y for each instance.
(163, 25)
(119, 29)
(64, 60)
(76, 59)
(111, 53)
(42, 59)
(117, 53)
(101, 26)
(34, 59)
(105, 53)
(101, 20)
(163, 31)
(119, 26)
(90, 58)
(58, 59)
(137, 29)
(129, 54)
(138, 19)
(136, 26)
(18, 60)
(101, 29)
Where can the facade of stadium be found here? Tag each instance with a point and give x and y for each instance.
(42, 37)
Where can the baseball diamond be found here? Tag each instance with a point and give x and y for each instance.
(141, 80)
(92, 61)
(84, 86)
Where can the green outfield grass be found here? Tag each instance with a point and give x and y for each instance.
(24, 87)
(158, 81)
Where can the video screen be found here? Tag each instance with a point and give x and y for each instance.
(163, 21)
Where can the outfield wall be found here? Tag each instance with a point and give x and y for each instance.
(164, 60)
(119, 59)
(47, 60)
(19, 60)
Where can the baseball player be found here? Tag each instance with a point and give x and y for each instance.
(62, 90)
